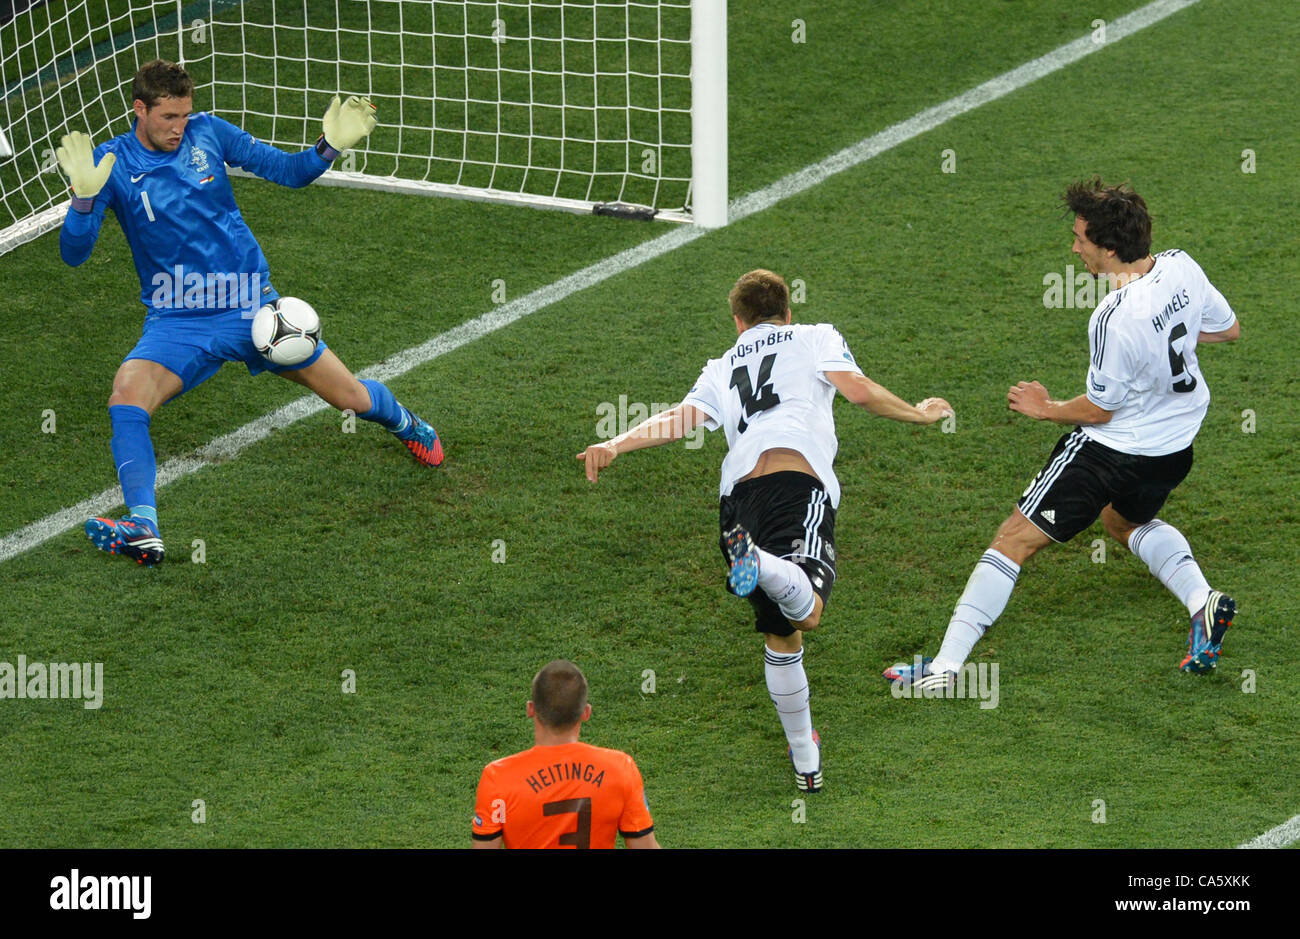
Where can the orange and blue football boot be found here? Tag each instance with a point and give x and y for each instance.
(422, 440)
(133, 537)
(908, 673)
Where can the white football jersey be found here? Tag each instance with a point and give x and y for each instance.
(1143, 343)
(770, 390)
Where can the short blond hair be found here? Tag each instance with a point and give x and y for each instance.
(759, 295)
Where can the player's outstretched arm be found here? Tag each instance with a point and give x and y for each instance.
(1030, 398)
(664, 427)
(344, 126)
(76, 156)
(879, 400)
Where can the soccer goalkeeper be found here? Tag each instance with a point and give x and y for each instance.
(202, 274)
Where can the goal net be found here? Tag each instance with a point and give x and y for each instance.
(586, 105)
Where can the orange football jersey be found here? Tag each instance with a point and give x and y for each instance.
(571, 795)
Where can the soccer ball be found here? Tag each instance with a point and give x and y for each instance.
(286, 331)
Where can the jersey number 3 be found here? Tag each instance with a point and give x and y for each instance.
(755, 401)
(580, 838)
(1176, 364)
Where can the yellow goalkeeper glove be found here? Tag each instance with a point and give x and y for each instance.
(345, 125)
(77, 159)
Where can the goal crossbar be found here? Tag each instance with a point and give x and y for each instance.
(580, 105)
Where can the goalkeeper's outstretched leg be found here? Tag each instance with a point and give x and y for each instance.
(371, 401)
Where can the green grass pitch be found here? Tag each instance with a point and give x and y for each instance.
(326, 551)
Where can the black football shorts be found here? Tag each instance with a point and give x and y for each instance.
(787, 514)
(1083, 476)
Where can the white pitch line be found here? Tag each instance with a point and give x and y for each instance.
(1287, 833)
(226, 447)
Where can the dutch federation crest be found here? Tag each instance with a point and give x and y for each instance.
(199, 160)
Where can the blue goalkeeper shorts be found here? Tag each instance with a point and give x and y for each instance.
(195, 346)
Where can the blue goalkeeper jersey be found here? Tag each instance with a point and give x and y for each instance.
(193, 250)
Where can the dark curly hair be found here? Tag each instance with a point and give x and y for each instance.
(1116, 217)
(161, 79)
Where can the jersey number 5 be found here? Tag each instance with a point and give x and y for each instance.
(582, 807)
(1176, 364)
(754, 402)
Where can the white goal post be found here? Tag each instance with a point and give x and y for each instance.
(610, 106)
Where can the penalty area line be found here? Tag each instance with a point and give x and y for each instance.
(1288, 833)
(227, 446)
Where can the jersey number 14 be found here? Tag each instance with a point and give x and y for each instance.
(755, 401)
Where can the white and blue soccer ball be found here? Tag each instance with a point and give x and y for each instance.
(286, 331)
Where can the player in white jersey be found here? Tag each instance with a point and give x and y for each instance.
(1132, 443)
(771, 392)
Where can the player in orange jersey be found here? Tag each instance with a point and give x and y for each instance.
(561, 793)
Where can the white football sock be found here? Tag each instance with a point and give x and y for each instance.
(982, 602)
(788, 686)
(787, 584)
(1169, 558)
